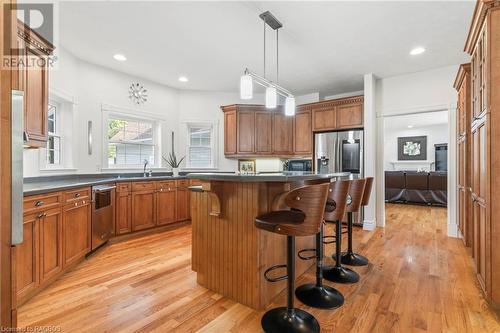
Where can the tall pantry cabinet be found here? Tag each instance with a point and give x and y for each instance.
(483, 44)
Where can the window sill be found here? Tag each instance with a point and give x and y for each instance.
(57, 169)
(124, 168)
(199, 169)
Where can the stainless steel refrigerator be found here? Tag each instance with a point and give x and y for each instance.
(340, 151)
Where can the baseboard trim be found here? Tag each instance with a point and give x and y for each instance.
(452, 230)
(369, 225)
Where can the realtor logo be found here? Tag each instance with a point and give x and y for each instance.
(37, 35)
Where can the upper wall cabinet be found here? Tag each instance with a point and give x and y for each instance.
(336, 114)
(254, 131)
(32, 77)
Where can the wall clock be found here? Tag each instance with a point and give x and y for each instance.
(137, 93)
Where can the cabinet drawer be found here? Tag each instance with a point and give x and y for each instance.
(143, 186)
(168, 185)
(77, 194)
(182, 183)
(194, 182)
(78, 203)
(123, 187)
(36, 203)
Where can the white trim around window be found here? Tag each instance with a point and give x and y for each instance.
(212, 127)
(113, 112)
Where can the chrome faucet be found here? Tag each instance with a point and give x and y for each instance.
(146, 162)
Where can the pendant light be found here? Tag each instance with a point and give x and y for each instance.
(246, 86)
(271, 97)
(272, 88)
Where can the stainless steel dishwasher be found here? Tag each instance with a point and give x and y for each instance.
(103, 214)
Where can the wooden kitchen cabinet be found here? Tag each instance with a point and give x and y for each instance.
(183, 201)
(76, 231)
(483, 44)
(324, 118)
(282, 134)
(246, 132)
(263, 133)
(350, 115)
(123, 223)
(230, 130)
(143, 208)
(27, 258)
(336, 114)
(34, 82)
(51, 244)
(166, 196)
(302, 133)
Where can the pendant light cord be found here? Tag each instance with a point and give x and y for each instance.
(277, 55)
(265, 47)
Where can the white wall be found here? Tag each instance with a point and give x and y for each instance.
(435, 134)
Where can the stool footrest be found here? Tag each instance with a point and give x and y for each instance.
(330, 241)
(301, 256)
(275, 279)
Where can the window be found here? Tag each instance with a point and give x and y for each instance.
(201, 152)
(130, 142)
(53, 148)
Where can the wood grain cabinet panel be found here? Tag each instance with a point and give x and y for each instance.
(143, 210)
(76, 231)
(282, 134)
(123, 223)
(51, 244)
(324, 118)
(246, 132)
(302, 133)
(166, 206)
(35, 85)
(350, 116)
(27, 254)
(230, 130)
(183, 204)
(263, 133)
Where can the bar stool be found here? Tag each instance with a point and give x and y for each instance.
(338, 273)
(307, 204)
(316, 294)
(350, 258)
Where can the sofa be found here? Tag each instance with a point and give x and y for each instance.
(428, 188)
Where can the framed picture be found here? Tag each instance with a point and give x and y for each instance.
(246, 166)
(412, 148)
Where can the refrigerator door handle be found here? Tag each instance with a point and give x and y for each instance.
(19, 136)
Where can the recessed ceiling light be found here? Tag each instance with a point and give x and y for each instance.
(410, 126)
(119, 57)
(183, 79)
(417, 50)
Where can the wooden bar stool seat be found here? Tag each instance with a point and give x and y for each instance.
(316, 294)
(304, 219)
(360, 198)
(338, 273)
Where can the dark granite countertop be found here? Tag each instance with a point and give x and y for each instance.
(39, 185)
(265, 177)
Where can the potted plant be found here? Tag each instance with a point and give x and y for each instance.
(173, 162)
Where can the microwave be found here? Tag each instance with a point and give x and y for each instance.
(299, 165)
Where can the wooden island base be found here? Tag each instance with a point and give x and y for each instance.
(229, 253)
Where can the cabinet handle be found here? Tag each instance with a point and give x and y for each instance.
(77, 195)
(39, 203)
(26, 137)
(39, 216)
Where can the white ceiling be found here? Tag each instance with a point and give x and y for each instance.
(419, 120)
(325, 47)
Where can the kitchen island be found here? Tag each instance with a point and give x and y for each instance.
(229, 254)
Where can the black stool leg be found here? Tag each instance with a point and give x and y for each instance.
(317, 295)
(289, 319)
(349, 257)
(338, 273)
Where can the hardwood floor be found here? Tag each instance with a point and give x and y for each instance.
(419, 280)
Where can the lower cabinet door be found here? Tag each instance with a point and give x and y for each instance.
(143, 210)
(76, 231)
(165, 207)
(183, 204)
(51, 258)
(26, 257)
(123, 213)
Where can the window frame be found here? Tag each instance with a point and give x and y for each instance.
(213, 143)
(56, 134)
(123, 114)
